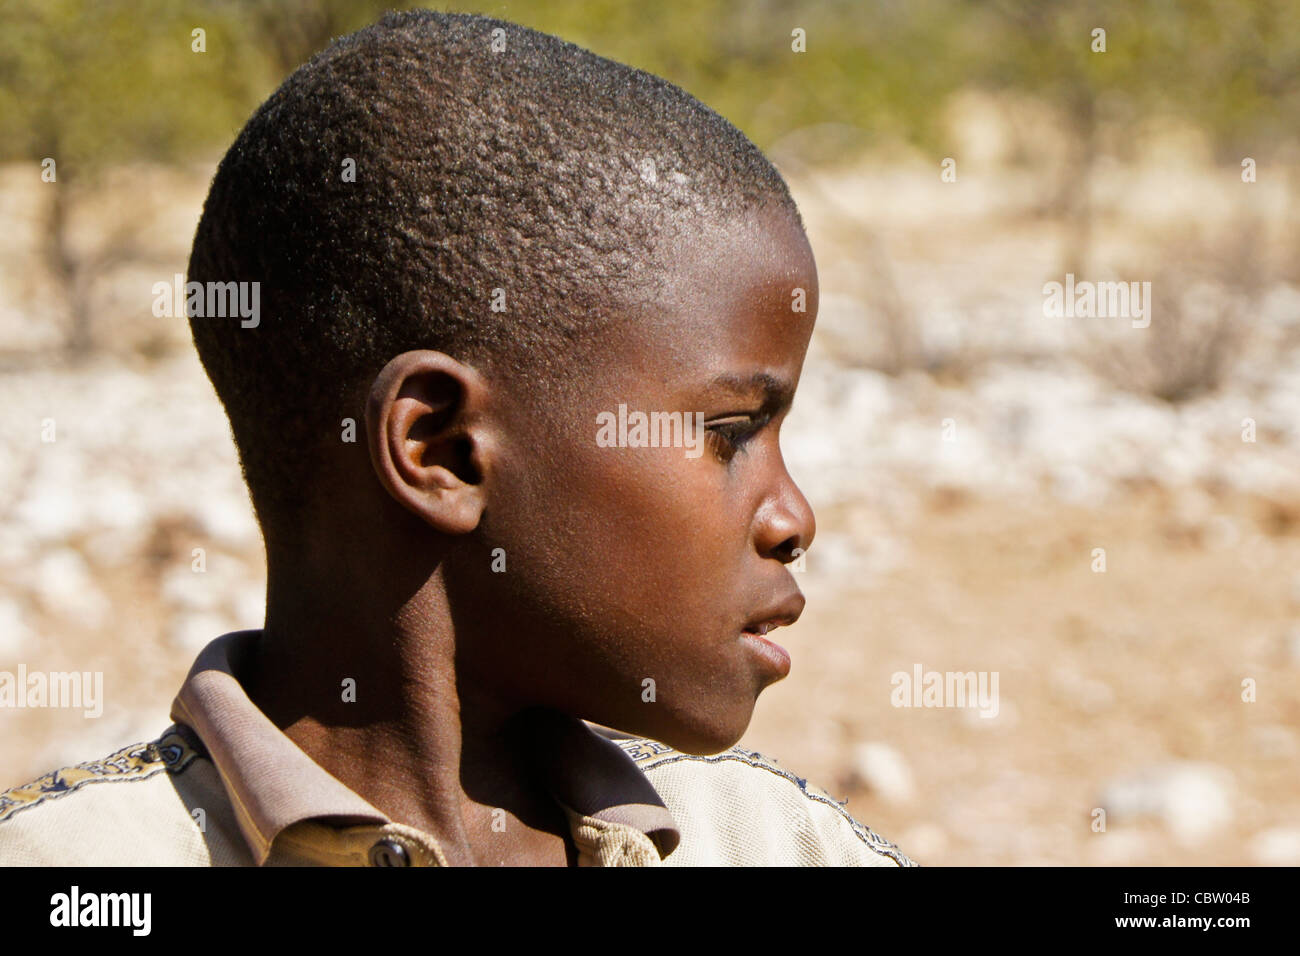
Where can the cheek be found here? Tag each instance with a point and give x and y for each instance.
(626, 568)
(655, 508)
(631, 535)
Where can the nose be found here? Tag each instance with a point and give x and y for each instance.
(786, 524)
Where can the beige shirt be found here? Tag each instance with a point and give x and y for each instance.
(223, 786)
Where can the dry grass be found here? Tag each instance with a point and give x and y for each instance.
(1202, 314)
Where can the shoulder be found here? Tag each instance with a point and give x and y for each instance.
(740, 807)
(99, 811)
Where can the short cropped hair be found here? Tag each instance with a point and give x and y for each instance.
(451, 182)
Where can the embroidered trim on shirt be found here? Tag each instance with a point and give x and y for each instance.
(649, 754)
(172, 752)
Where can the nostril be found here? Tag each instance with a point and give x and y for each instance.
(785, 551)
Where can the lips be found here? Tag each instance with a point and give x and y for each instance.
(779, 615)
(772, 657)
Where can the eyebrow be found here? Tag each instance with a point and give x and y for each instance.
(777, 392)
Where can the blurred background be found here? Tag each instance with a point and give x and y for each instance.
(966, 454)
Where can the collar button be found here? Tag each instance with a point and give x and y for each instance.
(389, 853)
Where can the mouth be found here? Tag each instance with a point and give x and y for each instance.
(773, 656)
(779, 615)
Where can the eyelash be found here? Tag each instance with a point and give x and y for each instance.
(730, 438)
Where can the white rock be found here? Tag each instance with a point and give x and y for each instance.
(192, 632)
(1279, 846)
(115, 547)
(1191, 799)
(250, 605)
(186, 589)
(884, 771)
(50, 511)
(64, 585)
(116, 504)
(227, 519)
(14, 632)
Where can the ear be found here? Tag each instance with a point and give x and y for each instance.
(428, 438)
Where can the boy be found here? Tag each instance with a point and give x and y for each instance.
(528, 324)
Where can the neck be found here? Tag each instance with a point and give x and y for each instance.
(369, 689)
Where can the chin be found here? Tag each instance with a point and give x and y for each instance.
(702, 735)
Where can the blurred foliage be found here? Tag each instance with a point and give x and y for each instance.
(97, 81)
(1231, 69)
(94, 83)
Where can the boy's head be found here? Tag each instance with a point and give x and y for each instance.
(475, 242)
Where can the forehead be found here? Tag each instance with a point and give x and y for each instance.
(755, 259)
(739, 296)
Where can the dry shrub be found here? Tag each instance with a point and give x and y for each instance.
(1204, 297)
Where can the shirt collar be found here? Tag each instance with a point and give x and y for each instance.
(274, 785)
